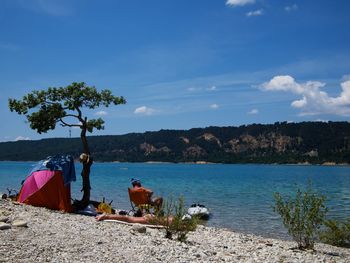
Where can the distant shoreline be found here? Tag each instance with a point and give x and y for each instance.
(279, 143)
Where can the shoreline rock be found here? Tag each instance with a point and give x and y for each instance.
(60, 237)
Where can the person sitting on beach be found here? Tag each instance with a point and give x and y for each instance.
(154, 201)
(146, 219)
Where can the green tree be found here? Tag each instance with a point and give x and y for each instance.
(45, 109)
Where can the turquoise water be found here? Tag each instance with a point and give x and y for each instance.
(240, 197)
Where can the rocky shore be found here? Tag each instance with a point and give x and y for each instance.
(32, 234)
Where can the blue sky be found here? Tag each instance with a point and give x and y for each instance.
(180, 64)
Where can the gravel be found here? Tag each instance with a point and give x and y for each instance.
(41, 235)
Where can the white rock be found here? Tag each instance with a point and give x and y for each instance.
(139, 228)
(19, 223)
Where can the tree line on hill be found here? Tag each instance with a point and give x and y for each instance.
(282, 142)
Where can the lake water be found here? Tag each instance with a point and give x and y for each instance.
(240, 197)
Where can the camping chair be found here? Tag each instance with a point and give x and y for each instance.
(139, 198)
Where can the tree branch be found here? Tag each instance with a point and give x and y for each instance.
(50, 102)
(72, 115)
(64, 124)
(80, 117)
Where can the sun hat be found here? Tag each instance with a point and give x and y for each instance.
(84, 158)
(135, 181)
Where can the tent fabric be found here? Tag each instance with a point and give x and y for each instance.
(34, 182)
(46, 189)
(64, 163)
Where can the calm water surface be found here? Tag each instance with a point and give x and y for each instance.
(240, 197)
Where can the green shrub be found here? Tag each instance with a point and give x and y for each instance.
(302, 215)
(336, 233)
(173, 219)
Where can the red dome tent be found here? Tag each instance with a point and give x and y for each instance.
(48, 185)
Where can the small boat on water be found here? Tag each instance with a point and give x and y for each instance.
(199, 210)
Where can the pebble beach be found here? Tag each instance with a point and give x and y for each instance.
(34, 234)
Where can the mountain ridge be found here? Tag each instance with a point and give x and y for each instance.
(281, 142)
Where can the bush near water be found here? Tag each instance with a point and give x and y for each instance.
(180, 225)
(304, 216)
(336, 233)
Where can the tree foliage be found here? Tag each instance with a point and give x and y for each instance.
(44, 109)
(55, 105)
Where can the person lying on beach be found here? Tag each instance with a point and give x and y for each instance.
(145, 219)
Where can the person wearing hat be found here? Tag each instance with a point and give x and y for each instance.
(154, 201)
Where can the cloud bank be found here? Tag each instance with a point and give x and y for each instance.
(313, 101)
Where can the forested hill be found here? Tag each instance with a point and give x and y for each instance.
(313, 142)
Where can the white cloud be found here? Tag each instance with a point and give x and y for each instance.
(101, 113)
(291, 8)
(239, 2)
(346, 77)
(253, 111)
(313, 100)
(21, 138)
(198, 89)
(212, 88)
(214, 106)
(259, 12)
(143, 110)
(284, 83)
(299, 103)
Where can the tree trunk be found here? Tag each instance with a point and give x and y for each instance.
(85, 173)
